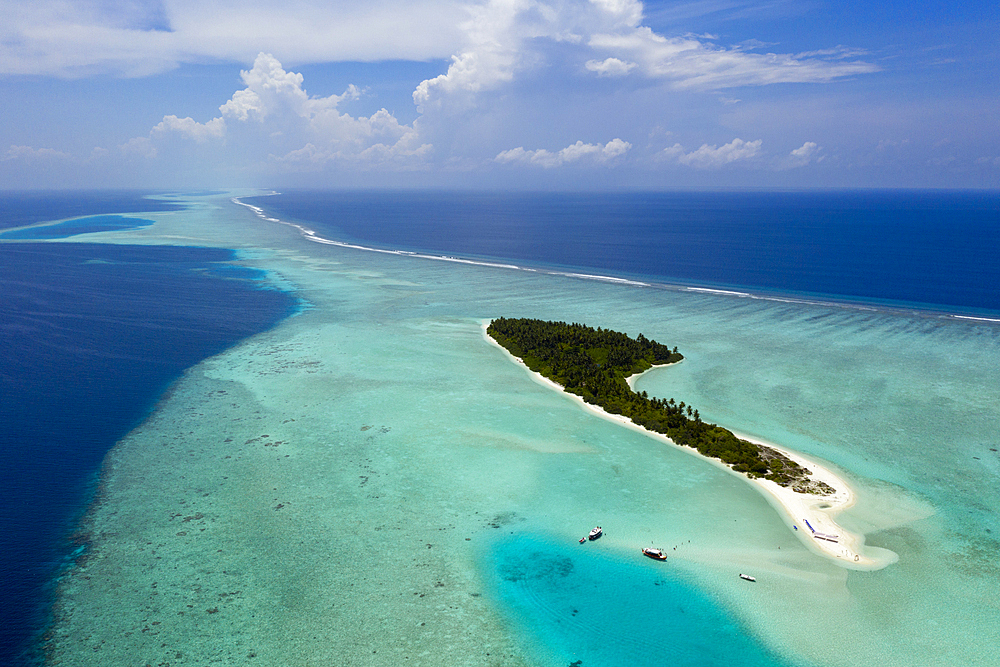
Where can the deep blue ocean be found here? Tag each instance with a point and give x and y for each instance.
(92, 335)
(90, 338)
(27, 208)
(915, 249)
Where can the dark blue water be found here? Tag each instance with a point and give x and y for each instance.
(18, 209)
(908, 248)
(90, 337)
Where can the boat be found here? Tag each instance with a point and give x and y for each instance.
(582, 540)
(656, 554)
(747, 577)
(595, 533)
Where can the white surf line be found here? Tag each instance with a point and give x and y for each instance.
(808, 513)
(606, 279)
(717, 291)
(975, 319)
(311, 235)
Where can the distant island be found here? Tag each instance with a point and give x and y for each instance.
(595, 364)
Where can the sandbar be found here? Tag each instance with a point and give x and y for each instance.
(811, 516)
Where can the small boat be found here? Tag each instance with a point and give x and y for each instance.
(656, 554)
(595, 533)
(582, 540)
(747, 577)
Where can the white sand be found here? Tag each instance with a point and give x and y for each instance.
(809, 515)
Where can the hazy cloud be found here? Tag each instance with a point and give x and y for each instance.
(139, 146)
(689, 63)
(405, 153)
(803, 155)
(609, 67)
(888, 144)
(836, 53)
(71, 39)
(490, 43)
(505, 37)
(544, 158)
(713, 157)
(30, 153)
(493, 65)
(188, 127)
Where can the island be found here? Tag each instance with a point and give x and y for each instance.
(598, 367)
(596, 364)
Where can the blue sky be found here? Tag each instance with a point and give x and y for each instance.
(561, 94)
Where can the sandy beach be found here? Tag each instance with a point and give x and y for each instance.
(811, 517)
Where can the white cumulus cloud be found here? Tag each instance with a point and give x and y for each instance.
(31, 153)
(275, 114)
(271, 90)
(496, 35)
(190, 128)
(622, 12)
(609, 67)
(498, 64)
(548, 159)
(803, 155)
(505, 38)
(713, 157)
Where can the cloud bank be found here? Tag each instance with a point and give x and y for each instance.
(135, 38)
(489, 43)
(500, 63)
(578, 151)
(31, 153)
(505, 38)
(714, 157)
(300, 132)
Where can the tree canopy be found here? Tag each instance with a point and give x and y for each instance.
(594, 364)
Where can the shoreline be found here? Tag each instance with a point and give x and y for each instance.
(811, 516)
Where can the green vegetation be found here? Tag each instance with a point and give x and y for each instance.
(593, 363)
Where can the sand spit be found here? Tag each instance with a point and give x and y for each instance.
(811, 516)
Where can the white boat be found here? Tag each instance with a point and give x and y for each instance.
(595, 533)
(747, 577)
(656, 554)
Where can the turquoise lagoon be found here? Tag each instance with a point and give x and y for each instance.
(372, 483)
(74, 226)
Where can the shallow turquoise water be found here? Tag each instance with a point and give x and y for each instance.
(68, 228)
(465, 485)
(586, 606)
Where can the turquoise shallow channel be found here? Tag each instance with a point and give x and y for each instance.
(370, 482)
(75, 226)
(587, 607)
